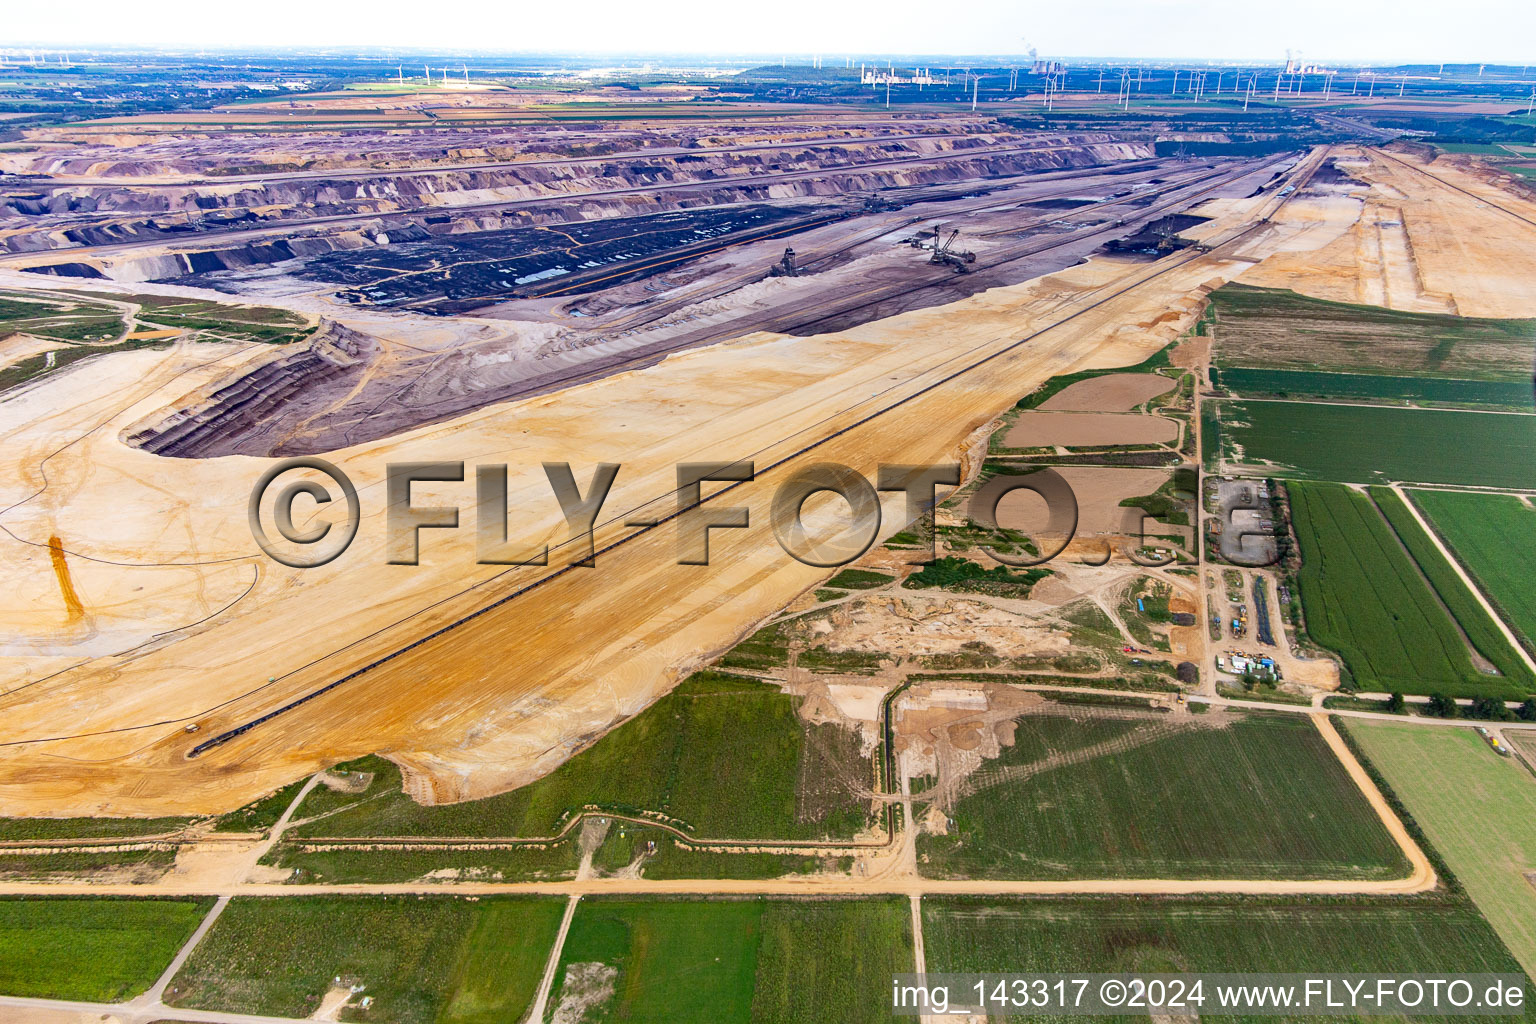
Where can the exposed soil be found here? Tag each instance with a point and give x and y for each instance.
(1078, 429)
(918, 625)
(1112, 392)
(1099, 491)
(161, 557)
(587, 986)
(1419, 244)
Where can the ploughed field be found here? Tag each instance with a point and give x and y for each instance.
(1273, 328)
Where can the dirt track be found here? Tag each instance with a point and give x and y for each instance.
(455, 713)
(1466, 578)
(160, 553)
(894, 872)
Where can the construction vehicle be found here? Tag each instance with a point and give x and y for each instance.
(921, 240)
(786, 266)
(1168, 239)
(948, 255)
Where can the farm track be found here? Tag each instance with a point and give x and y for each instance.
(1466, 578)
(1135, 279)
(1301, 175)
(1479, 659)
(488, 842)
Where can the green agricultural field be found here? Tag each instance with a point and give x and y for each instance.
(75, 865)
(1234, 795)
(1491, 535)
(1380, 444)
(1249, 381)
(780, 961)
(260, 815)
(1279, 329)
(623, 845)
(1212, 443)
(1212, 935)
(1459, 600)
(515, 864)
(1477, 808)
(14, 829)
(1365, 598)
(434, 960)
(727, 755)
(97, 950)
(673, 861)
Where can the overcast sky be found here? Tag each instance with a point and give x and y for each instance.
(1329, 30)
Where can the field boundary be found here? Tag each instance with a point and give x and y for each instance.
(1423, 871)
(1477, 654)
(1489, 604)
